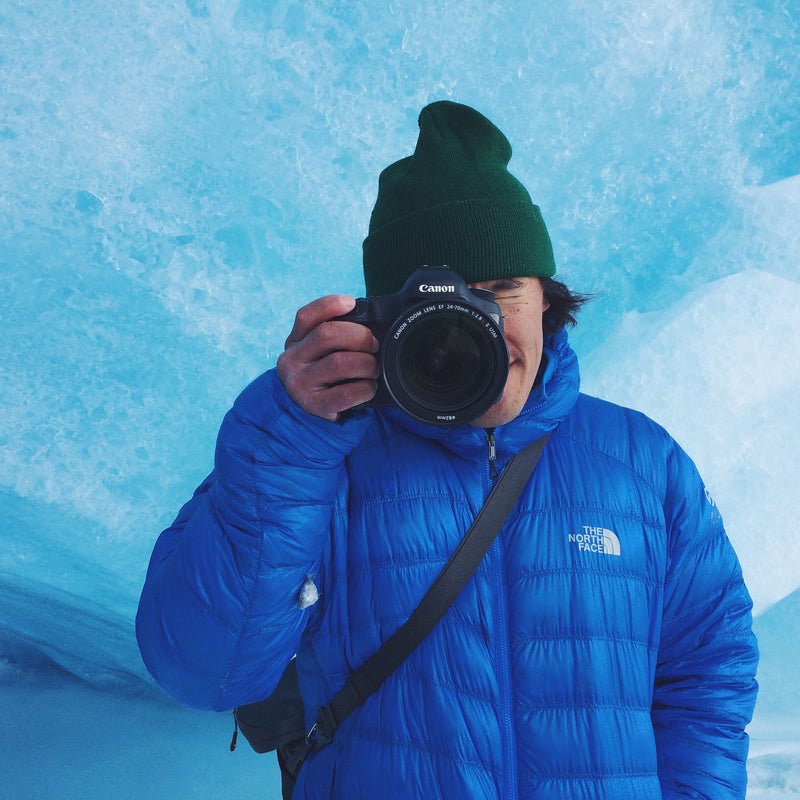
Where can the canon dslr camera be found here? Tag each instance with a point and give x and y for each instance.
(443, 356)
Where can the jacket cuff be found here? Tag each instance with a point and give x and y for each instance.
(269, 413)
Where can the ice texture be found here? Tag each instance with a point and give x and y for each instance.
(176, 178)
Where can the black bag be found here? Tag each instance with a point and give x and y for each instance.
(278, 719)
(277, 722)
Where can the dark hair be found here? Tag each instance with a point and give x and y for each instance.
(564, 305)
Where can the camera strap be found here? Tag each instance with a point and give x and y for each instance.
(439, 597)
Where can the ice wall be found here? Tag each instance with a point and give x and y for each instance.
(726, 389)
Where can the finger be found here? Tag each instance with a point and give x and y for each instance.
(350, 380)
(331, 337)
(317, 312)
(345, 367)
(305, 382)
(335, 400)
(316, 384)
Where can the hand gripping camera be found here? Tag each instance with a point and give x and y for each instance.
(443, 356)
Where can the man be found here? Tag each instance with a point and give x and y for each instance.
(603, 648)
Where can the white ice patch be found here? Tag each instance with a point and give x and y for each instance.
(309, 594)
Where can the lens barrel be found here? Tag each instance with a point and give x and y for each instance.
(445, 362)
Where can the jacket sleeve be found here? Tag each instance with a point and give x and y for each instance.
(218, 616)
(705, 688)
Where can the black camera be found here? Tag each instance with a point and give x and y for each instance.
(443, 356)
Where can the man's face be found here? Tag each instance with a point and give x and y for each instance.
(522, 303)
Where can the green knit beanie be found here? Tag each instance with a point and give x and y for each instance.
(454, 203)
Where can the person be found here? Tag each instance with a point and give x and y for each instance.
(603, 648)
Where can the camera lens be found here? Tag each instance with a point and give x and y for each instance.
(445, 363)
(440, 363)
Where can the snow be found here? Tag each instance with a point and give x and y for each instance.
(178, 177)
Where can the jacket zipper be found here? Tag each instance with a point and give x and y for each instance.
(490, 441)
(503, 652)
(502, 649)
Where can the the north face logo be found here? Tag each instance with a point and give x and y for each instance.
(596, 540)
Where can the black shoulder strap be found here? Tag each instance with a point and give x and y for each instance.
(441, 595)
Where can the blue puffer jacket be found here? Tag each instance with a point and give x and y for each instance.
(602, 650)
